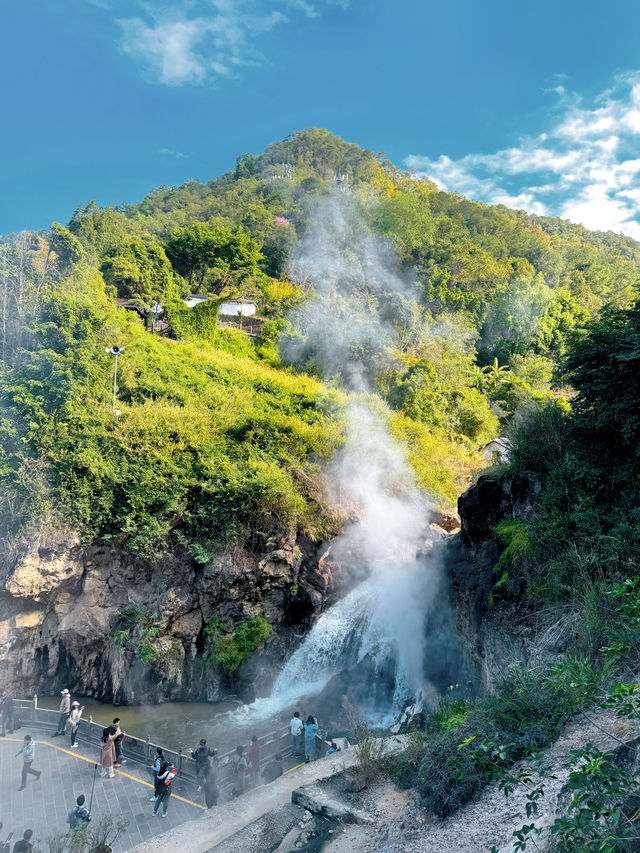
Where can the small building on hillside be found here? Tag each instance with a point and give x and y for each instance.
(497, 451)
(237, 308)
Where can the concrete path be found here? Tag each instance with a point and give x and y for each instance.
(44, 804)
(217, 824)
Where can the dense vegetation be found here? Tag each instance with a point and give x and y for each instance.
(571, 562)
(220, 438)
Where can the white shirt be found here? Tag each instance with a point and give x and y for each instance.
(296, 726)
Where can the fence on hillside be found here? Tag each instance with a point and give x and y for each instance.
(142, 751)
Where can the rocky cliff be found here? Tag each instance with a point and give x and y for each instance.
(497, 631)
(60, 604)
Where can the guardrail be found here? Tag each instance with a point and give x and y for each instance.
(142, 751)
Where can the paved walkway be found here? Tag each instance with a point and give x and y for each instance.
(44, 804)
(220, 823)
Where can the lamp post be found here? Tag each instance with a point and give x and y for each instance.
(115, 351)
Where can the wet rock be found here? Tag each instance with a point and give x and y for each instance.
(320, 802)
(446, 520)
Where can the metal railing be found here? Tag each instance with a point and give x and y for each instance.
(142, 751)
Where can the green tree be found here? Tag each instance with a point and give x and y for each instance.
(67, 247)
(213, 257)
(140, 270)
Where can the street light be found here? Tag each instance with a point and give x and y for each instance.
(115, 351)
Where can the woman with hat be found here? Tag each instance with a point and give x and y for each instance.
(63, 710)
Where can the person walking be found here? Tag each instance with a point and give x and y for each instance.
(63, 710)
(114, 728)
(74, 722)
(107, 753)
(201, 756)
(24, 845)
(253, 757)
(78, 814)
(164, 781)
(310, 729)
(297, 736)
(240, 767)
(211, 791)
(27, 752)
(158, 761)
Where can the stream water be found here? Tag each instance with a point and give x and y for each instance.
(178, 724)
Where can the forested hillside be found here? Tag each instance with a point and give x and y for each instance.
(221, 437)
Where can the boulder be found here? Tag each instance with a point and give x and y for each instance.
(53, 561)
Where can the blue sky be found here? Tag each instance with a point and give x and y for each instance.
(533, 105)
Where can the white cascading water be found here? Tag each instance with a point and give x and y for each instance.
(383, 617)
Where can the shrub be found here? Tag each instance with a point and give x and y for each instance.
(517, 545)
(464, 749)
(230, 650)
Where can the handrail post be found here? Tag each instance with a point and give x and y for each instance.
(147, 750)
(180, 761)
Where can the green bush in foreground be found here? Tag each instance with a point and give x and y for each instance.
(463, 747)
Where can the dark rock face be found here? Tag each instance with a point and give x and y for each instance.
(470, 558)
(59, 604)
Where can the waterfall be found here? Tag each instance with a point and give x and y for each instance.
(382, 618)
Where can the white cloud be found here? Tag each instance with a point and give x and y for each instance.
(169, 152)
(204, 41)
(583, 167)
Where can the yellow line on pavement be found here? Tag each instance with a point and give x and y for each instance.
(91, 761)
(296, 767)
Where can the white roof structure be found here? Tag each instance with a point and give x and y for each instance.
(237, 307)
(193, 300)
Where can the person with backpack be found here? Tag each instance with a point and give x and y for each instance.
(164, 782)
(78, 814)
(27, 752)
(156, 768)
